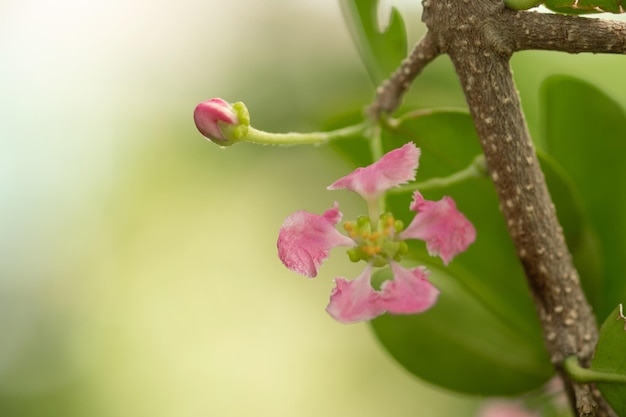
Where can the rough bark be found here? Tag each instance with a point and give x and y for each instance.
(480, 36)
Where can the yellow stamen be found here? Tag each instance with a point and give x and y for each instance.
(371, 250)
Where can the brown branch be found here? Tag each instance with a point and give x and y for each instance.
(573, 34)
(389, 94)
(511, 31)
(475, 34)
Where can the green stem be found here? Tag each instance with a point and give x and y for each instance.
(374, 134)
(316, 138)
(585, 376)
(476, 169)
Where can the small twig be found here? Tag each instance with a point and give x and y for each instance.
(390, 93)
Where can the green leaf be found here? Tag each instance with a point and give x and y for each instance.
(585, 6)
(483, 336)
(462, 345)
(381, 52)
(586, 133)
(581, 239)
(610, 357)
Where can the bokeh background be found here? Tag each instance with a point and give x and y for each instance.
(138, 268)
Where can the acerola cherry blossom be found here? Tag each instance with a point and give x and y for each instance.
(305, 240)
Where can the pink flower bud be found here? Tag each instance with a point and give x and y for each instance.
(220, 121)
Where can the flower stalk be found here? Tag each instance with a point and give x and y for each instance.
(226, 124)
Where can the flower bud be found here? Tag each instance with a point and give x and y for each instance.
(222, 122)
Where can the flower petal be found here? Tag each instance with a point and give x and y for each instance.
(409, 292)
(445, 230)
(394, 168)
(356, 300)
(305, 239)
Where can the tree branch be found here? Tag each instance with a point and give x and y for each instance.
(511, 31)
(476, 36)
(554, 32)
(389, 94)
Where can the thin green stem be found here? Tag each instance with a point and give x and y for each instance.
(313, 138)
(585, 376)
(374, 134)
(373, 211)
(476, 169)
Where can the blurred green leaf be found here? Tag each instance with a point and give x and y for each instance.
(586, 133)
(460, 344)
(483, 336)
(581, 239)
(585, 6)
(610, 358)
(381, 52)
(356, 149)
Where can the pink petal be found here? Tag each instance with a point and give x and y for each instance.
(445, 230)
(305, 239)
(208, 113)
(394, 168)
(356, 300)
(505, 409)
(409, 292)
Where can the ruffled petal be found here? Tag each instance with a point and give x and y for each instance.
(356, 300)
(305, 239)
(409, 292)
(445, 230)
(394, 168)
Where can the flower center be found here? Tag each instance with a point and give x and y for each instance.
(377, 245)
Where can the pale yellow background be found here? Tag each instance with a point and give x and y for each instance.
(138, 268)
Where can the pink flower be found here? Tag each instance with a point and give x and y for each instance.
(445, 230)
(305, 240)
(220, 121)
(505, 409)
(394, 168)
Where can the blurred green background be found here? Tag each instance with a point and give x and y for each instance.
(138, 268)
